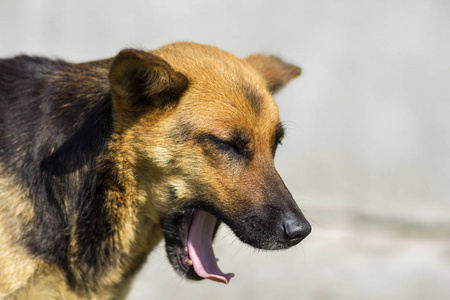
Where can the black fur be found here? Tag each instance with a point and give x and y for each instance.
(55, 119)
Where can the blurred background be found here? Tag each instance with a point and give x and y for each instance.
(367, 151)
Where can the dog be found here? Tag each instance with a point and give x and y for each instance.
(100, 161)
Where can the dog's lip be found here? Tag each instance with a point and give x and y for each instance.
(183, 252)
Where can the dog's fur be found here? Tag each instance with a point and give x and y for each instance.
(101, 160)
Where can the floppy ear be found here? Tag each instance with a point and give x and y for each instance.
(142, 80)
(276, 72)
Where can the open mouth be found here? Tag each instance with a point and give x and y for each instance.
(190, 247)
(189, 232)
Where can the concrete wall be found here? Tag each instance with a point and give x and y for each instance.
(368, 140)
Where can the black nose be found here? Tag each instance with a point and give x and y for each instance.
(295, 230)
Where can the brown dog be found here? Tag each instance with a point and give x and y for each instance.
(99, 161)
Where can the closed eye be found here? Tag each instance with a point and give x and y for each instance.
(237, 146)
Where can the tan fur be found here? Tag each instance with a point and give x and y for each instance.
(16, 266)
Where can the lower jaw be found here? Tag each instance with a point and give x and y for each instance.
(190, 274)
(185, 267)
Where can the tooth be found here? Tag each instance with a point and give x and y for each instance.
(190, 263)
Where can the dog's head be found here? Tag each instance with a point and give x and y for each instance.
(203, 131)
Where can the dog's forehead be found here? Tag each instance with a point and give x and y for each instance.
(228, 110)
(203, 64)
(225, 101)
(223, 89)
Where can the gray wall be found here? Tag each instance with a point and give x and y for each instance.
(368, 141)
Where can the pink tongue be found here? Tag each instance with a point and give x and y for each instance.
(200, 248)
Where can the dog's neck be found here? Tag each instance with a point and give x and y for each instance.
(117, 232)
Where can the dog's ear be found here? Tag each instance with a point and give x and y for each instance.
(276, 72)
(142, 80)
